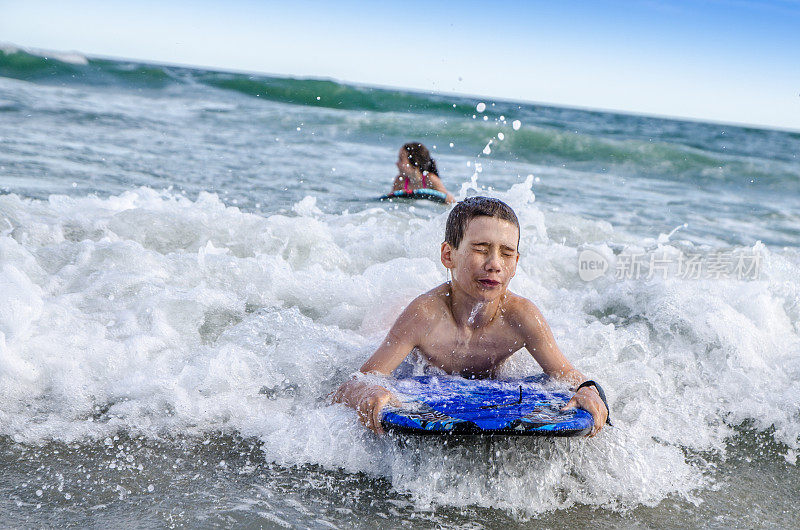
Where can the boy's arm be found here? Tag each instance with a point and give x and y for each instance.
(540, 342)
(369, 399)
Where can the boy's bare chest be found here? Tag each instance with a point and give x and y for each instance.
(469, 353)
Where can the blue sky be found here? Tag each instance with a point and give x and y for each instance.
(726, 61)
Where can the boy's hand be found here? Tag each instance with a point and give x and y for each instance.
(371, 404)
(368, 402)
(588, 399)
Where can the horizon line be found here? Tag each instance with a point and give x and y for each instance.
(690, 119)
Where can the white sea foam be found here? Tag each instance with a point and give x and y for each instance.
(155, 314)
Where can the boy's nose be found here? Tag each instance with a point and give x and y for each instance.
(493, 263)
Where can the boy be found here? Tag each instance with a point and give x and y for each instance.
(472, 324)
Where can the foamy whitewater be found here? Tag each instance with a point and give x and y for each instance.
(191, 261)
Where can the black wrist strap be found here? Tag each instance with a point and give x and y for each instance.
(602, 397)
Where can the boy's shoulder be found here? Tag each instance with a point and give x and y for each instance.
(515, 301)
(520, 310)
(431, 302)
(422, 311)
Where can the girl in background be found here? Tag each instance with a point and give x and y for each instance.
(418, 171)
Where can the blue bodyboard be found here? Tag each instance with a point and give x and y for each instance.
(449, 405)
(423, 193)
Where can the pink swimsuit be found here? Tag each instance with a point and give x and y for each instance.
(407, 187)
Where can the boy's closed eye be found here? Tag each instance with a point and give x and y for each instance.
(483, 248)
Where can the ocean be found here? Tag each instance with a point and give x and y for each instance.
(192, 260)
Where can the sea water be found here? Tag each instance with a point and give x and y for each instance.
(192, 261)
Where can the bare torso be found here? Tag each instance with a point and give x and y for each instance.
(469, 350)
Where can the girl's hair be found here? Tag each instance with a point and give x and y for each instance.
(420, 157)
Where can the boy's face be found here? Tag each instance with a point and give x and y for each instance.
(486, 259)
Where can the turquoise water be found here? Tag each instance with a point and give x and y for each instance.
(192, 260)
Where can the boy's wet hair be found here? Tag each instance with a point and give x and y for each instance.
(420, 157)
(473, 207)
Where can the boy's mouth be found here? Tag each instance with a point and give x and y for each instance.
(489, 283)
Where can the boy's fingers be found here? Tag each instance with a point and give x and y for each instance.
(363, 417)
(599, 422)
(596, 416)
(370, 411)
(369, 421)
(365, 414)
(376, 419)
(571, 404)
